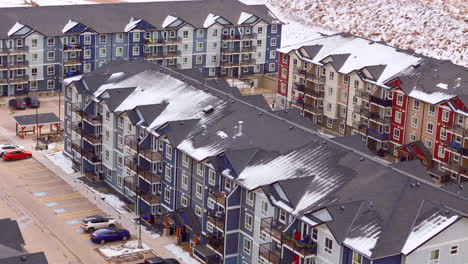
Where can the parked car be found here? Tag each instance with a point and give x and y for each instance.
(16, 154)
(93, 222)
(32, 102)
(158, 260)
(104, 235)
(5, 147)
(17, 104)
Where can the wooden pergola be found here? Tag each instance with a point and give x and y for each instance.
(34, 123)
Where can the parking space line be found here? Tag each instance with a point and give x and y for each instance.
(52, 187)
(77, 213)
(37, 177)
(58, 197)
(73, 204)
(40, 194)
(45, 182)
(85, 236)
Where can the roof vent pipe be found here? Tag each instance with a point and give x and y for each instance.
(457, 82)
(239, 126)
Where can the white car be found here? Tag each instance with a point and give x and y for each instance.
(94, 222)
(5, 147)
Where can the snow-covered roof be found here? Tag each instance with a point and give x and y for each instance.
(431, 98)
(132, 24)
(169, 20)
(17, 26)
(71, 24)
(210, 20)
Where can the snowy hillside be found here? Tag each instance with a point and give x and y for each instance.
(436, 28)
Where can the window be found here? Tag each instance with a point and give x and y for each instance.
(119, 51)
(106, 154)
(412, 137)
(199, 46)
(428, 143)
(314, 234)
(329, 123)
(434, 257)
(356, 84)
(119, 141)
(199, 59)
(330, 91)
(264, 207)
(262, 236)
(34, 43)
(271, 66)
(398, 116)
(168, 152)
(399, 99)
(430, 127)
(282, 216)
(136, 37)
(328, 245)
(199, 191)
(50, 84)
(214, 59)
(443, 133)
(86, 67)
(33, 56)
(227, 184)
(259, 44)
(445, 115)
(414, 121)
(50, 55)
(184, 181)
(249, 198)
(200, 33)
(50, 70)
(329, 107)
(34, 71)
(136, 51)
(460, 119)
(344, 95)
(332, 75)
(107, 134)
(200, 168)
(119, 161)
(273, 42)
(248, 222)
(167, 173)
(185, 47)
(103, 38)
(247, 246)
(50, 41)
(357, 258)
(167, 195)
(260, 30)
(272, 54)
(109, 175)
(102, 52)
(283, 88)
(441, 152)
(416, 105)
(33, 85)
(185, 160)
(119, 37)
(454, 250)
(211, 177)
(396, 133)
(184, 201)
(87, 54)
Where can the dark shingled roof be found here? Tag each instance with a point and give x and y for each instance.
(42, 119)
(11, 234)
(116, 97)
(376, 70)
(338, 60)
(150, 112)
(312, 51)
(33, 258)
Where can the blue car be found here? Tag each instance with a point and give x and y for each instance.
(104, 235)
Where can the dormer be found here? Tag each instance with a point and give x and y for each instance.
(75, 28)
(138, 24)
(19, 30)
(246, 19)
(172, 22)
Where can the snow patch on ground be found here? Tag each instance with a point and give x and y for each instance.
(62, 161)
(181, 254)
(146, 230)
(112, 200)
(129, 248)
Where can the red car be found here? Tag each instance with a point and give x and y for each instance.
(16, 154)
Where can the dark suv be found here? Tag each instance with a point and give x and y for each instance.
(17, 104)
(158, 260)
(32, 102)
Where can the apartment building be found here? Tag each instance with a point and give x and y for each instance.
(223, 39)
(240, 183)
(403, 104)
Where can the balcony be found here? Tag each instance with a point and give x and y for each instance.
(18, 65)
(3, 51)
(228, 64)
(248, 36)
(267, 252)
(231, 38)
(172, 41)
(18, 79)
(299, 87)
(230, 50)
(72, 47)
(154, 42)
(272, 227)
(376, 117)
(131, 163)
(3, 81)
(315, 78)
(216, 243)
(93, 138)
(360, 127)
(131, 142)
(151, 155)
(216, 218)
(93, 119)
(248, 49)
(314, 93)
(218, 196)
(380, 102)
(364, 95)
(377, 135)
(171, 53)
(149, 176)
(3, 67)
(77, 128)
(459, 129)
(362, 110)
(317, 110)
(456, 147)
(150, 198)
(150, 56)
(300, 247)
(245, 75)
(176, 66)
(250, 62)
(92, 157)
(76, 146)
(18, 50)
(130, 184)
(69, 74)
(71, 62)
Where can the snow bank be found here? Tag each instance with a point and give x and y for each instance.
(62, 161)
(181, 254)
(113, 201)
(129, 248)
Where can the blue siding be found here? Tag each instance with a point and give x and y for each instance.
(389, 260)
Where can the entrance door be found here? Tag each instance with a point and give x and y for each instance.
(5, 91)
(11, 90)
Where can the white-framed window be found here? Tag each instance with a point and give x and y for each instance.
(167, 195)
(328, 245)
(272, 54)
(109, 175)
(262, 236)
(119, 51)
(453, 250)
(434, 256)
(344, 95)
(185, 181)
(168, 151)
(183, 201)
(247, 246)
(51, 55)
(282, 216)
(50, 84)
(102, 52)
(314, 234)
(443, 133)
(210, 203)
(136, 51)
(51, 70)
(357, 258)
(50, 41)
(160, 144)
(119, 161)
(445, 115)
(259, 43)
(329, 107)
(211, 177)
(329, 123)
(199, 46)
(199, 59)
(260, 30)
(107, 155)
(199, 191)
(428, 143)
(414, 121)
(273, 42)
(33, 85)
(185, 160)
(430, 127)
(227, 184)
(200, 33)
(331, 75)
(396, 133)
(412, 137)
(283, 87)
(19, 87)
(34, 71)
(167, 173)
(271, 66)
(399, 99)
(34, 57)
(249, 198)
(87, 39)
(356, 84)
(34, 43)
(87, 53)
(214, 59)
(264, 208)
(198, 211)
(416, 104)
(136, 36)
(200, 168)
(119, 141)
(431, 110)
(248, 222)
(398, 116)
(87, 67)
(102, 38)
(441, 152)
(330, 91)
(209, 227)
(119, 37)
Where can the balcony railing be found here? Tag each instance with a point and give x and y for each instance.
(231, 38)
(71, 62)
(459, 129)
(72, 47)
(76, 146)
(318, 110)
(130, 162)
(377, 135)
(456, 147)
(228, 64)
(376, 117)
(249, 36)
(150, 56)
(150, 198)
(244, 75)
(272, 227)
(216, 243)
(267, 252)
(77, 128)
(216, 218)
(18, 50)
(130, 184)
(299, 86)
(150, 176)
(171, 41)
(92, 119)
(174, 66)
(18, 79)
(381, 102)
(3, 51)
(154, 42)
(360, 127)
(92, 157)
(304, 248)
(249, 49)
(172, 53)
(215, 194)
(93, 139)
(131, 142)
(3, 81)
(230, 50)
(248, 62)
(18, 65)
(363, 95)
(314, 93)
(151, 155)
